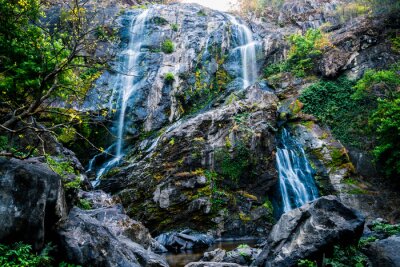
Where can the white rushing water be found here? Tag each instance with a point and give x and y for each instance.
(247, 46)
(296, 179)
(126, 84)
(129, 80)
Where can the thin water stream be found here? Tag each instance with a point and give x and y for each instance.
(247, 46)
(296, 176)
(130, 79)
(127, 83)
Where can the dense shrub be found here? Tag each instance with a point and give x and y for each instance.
(378, 84)
(174, 27)
(386, 123)
(365, 114)
(20, 254)
(168, 46)
(331, 102)
(169, 77)
(304, 51)
(233, 164)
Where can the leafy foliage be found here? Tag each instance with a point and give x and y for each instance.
(346, 256)
(331, 102)
(84, 204)
(378, 84)
(233, 164)
(382, 89)
(388, 229)
(20, 254)
(159, 20)
(386, 122)
(305, 50)
(3, 142)
(60, 166)
(365, 114)
(306, 263)
(175, 27)
(169, 77)
(168, 46)
(46, 60)
(395, 43)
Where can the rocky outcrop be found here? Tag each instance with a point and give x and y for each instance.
(360, 44)
(31, 202)
(212, 264)
(105, 236)
(307, 231)
(211, 170)
(336, 174)
(384, 253)
(243, 255)
(184, 240)
(202, 60)
(307, 14)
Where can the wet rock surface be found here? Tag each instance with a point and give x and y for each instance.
(203, 50)
(384, 252)
(212, 264)
(184, 240)
(173, 184)
(31, 202)
(306, 231)
(243, 255)
(105, 236)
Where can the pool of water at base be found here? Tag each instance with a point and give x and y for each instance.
(184, 257)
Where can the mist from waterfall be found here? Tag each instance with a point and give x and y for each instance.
(296, 176)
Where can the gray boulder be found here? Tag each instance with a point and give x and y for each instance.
(384, 253)
(243, 255)
(184, 240)
(212, 264)
(105, 237)
(216, 255)
(31, 202)
(307, 231)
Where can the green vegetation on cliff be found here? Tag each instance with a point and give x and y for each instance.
(304, 51)
(362, 114)
(44, 62)
(20, 254)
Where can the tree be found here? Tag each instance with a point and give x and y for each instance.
(386, 122)
(42, 62)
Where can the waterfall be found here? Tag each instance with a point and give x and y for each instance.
(126, 84)
(247, 47)
(296, 179)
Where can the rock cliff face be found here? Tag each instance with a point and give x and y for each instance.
(203, 147)
(197, 145)
(212, 170)
(32, 201)
(202, 59)
(308, 230)
(105, 236)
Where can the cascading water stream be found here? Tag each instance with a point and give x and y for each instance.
(296, 180)
(127, 82)
(247, 46)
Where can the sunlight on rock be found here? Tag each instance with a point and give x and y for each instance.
(221, 5)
